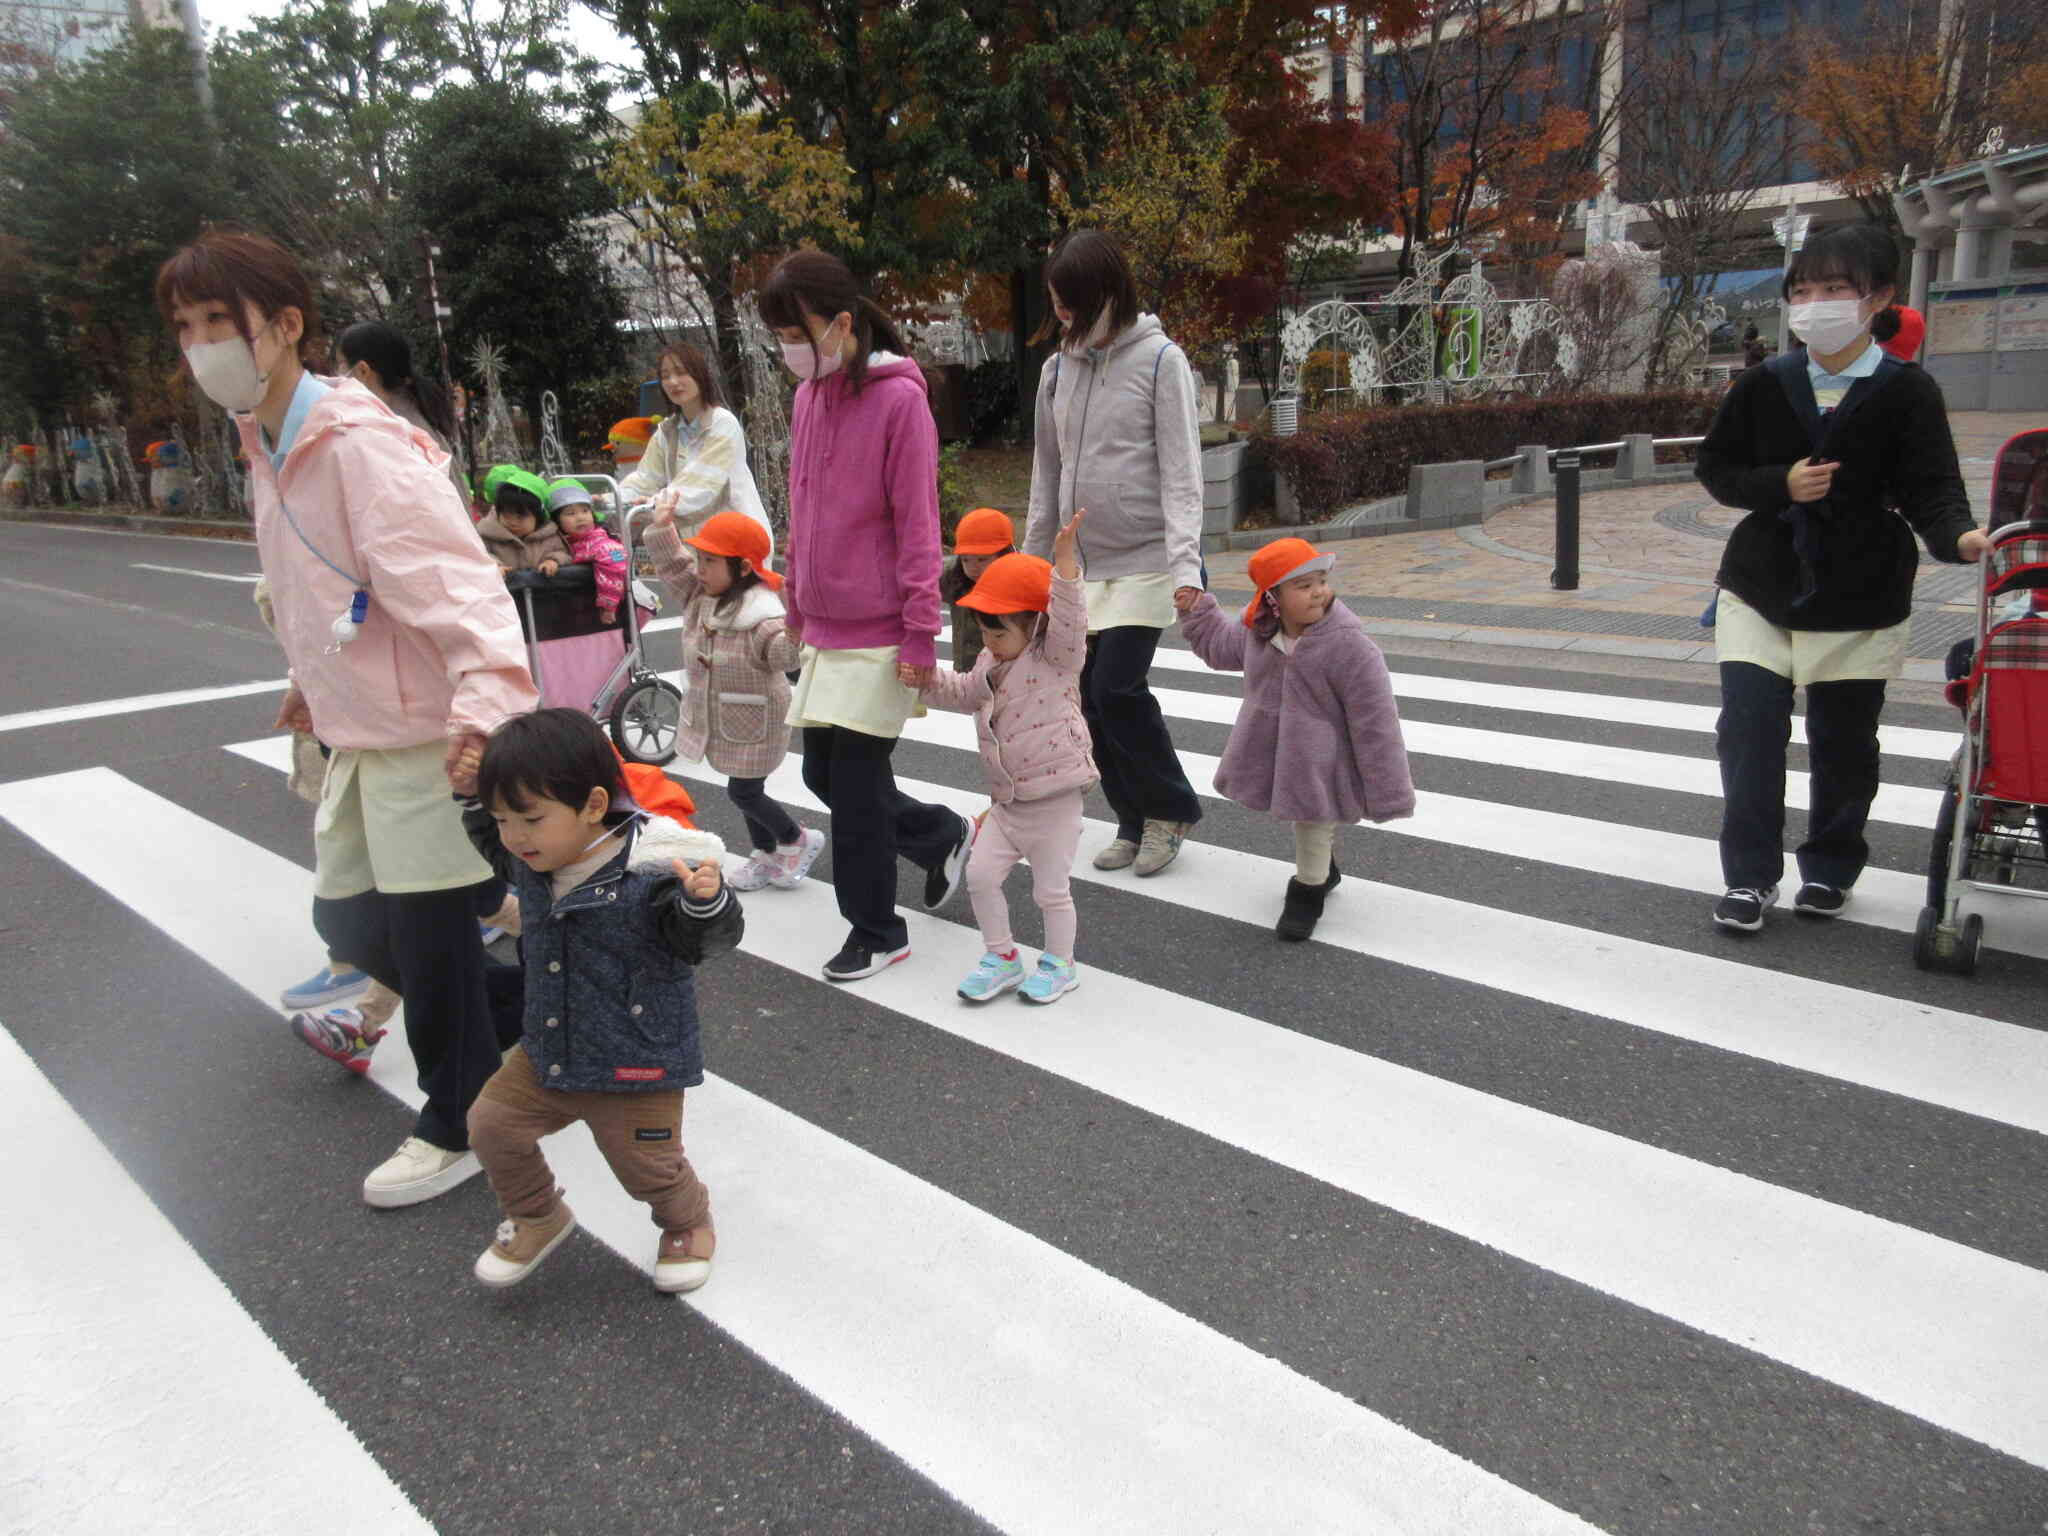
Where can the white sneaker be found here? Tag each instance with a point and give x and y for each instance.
(417, 1171)
(797, 859)
(759, 869)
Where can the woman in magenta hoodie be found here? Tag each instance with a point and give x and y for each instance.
(861, 583)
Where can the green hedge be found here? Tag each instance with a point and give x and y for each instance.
(1342, 457)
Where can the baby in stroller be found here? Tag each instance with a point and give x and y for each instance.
(589, 543)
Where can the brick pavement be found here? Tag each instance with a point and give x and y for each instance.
(1647, 559)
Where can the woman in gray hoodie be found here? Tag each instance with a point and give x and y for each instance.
(1118, 435)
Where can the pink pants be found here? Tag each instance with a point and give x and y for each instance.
(1044, 833)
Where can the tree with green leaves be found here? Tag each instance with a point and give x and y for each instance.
(510, 192)
(107, 168)
(745, 188)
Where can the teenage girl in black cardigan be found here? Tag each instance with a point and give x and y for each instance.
(1840, 455)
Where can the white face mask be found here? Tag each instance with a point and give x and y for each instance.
(227, 371)
(1829, 325)
(808, 362)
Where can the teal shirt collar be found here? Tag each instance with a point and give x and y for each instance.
(309, 392)
(1862, 368)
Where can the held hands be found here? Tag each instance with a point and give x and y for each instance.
(1184, 599)
(1065, 547)
(292, 714)
(1809, 481)
(465, 757)
(700, 882)
(913, 677)
(1974, 545)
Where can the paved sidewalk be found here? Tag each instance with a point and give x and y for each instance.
(1647, 559)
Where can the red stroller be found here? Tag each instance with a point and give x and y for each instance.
(1992, 830)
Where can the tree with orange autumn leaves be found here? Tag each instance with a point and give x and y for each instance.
(1496, 117)
(1921, 87)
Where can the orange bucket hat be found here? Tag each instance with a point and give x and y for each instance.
(738, 536)
(1281, 560)
(984, 531)
(1017, 583)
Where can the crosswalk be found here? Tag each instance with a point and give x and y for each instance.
(1518, 1201)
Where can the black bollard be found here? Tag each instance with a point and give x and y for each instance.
(1565, 575)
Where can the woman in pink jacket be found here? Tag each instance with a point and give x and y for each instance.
(861, 574)
(1025, 695)
(404, 651)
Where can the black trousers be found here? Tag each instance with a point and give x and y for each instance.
(425, 947)
(1141, 776)
(872, 822)
(1841, 738)
(769, 826)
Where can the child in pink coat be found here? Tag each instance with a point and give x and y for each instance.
(1024, 694)
(1317, 740)
(576, 520)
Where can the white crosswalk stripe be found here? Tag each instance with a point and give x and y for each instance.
(998, 1365)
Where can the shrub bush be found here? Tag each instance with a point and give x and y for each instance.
(991, 399)
(1341, 457)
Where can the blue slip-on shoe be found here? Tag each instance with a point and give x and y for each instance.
(325, 988)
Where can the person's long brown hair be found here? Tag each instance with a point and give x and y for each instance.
(813, 283)
(693, 362)
(1089, 274)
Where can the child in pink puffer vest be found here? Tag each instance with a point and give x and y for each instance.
(1024, 694)
(590, 543)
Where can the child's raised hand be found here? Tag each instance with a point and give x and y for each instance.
(700, 883)
(1065, 543)
(665, 508)
(549, 567)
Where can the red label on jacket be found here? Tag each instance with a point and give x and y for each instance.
(638, 1074)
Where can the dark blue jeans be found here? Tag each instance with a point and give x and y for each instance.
(424, 946)
(872, 823)
(1141, 777)
(1842, 764)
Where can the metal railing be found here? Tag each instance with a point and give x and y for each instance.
(1566, 463)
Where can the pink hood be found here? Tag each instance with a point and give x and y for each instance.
(440, 652)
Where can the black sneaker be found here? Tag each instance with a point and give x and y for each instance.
(943, 883)
(856, 960)
(1743, 907)
(1817, 900)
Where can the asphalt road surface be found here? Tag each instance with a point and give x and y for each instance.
(1521, 1200)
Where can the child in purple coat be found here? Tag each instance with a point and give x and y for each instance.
(1317, 741)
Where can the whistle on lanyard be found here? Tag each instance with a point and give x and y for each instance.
(348, 625)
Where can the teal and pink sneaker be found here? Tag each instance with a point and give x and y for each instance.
(339, 1035)
(1053, 979)
(992, 978)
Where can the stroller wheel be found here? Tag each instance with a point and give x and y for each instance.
(1969, 945)
(646, 721)
(1923, 938)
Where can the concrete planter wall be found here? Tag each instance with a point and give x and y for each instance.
(1231, 486)
(1451, 495)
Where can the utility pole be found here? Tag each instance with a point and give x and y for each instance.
(431, 310)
